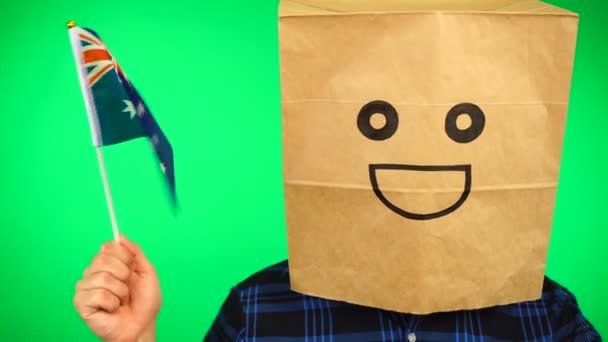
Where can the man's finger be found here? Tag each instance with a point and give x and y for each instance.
(142, 263)
(105, 280)
(115, 249)
(88, 302)
(107, 263)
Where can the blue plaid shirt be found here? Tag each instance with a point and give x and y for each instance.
(264, 309)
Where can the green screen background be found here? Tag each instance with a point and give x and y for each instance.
(209, 71)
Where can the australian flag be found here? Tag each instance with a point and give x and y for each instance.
(116, 111)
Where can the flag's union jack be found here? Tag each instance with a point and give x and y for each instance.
(97, 57)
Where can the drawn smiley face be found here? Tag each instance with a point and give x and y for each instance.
(389, 128)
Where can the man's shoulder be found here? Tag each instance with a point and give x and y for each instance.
(556, 295)
(276, 275)
(256, 301)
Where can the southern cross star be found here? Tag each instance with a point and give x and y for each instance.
(154, 139)
(140, 109)
(129, 108)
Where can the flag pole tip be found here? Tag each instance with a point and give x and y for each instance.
(71, 24)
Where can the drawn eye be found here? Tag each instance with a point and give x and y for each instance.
(378, 120)
(477, 121)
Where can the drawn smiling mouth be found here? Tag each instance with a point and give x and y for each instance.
(373, 168)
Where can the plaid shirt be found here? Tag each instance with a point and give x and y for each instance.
(264, 309)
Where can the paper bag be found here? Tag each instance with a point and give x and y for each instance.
(422, 144)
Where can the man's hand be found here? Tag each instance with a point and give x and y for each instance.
(119, 294)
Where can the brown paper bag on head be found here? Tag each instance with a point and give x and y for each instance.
(422, 144)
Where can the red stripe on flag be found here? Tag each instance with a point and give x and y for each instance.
(96, 55)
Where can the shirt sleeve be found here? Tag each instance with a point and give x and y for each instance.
(229, 325)
(571, 324)
(582, 330)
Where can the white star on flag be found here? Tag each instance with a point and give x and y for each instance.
(140, 109)
(129, 108)
(154, 139)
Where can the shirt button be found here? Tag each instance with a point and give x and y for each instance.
(411, 337)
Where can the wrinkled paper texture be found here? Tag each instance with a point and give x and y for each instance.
(514, 61)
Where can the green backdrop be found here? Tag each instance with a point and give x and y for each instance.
(209, 72)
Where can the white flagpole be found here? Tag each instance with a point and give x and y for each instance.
(106, 187)
(94, 124)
